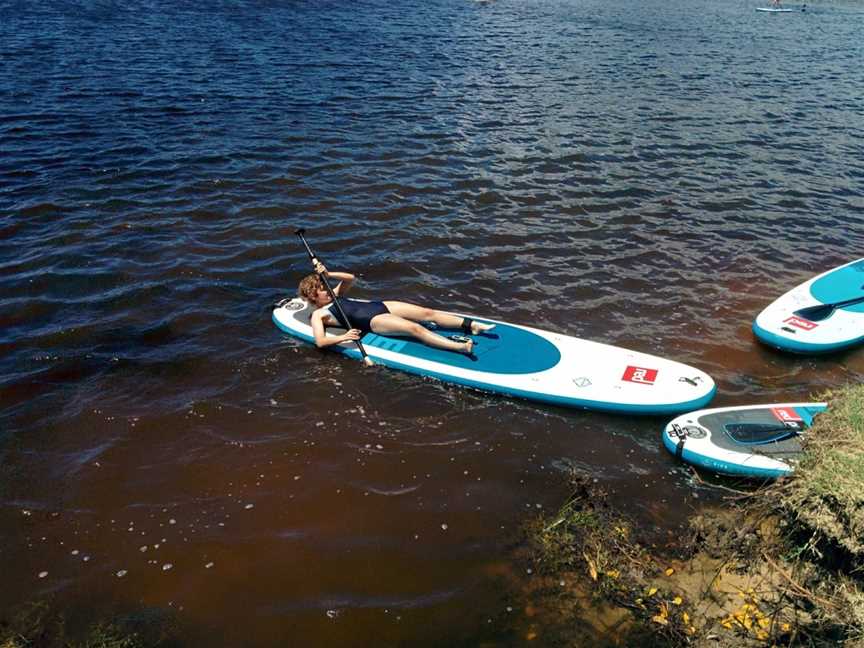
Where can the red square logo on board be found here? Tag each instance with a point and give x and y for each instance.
(786, 414)
(800, 322)
(640, 375)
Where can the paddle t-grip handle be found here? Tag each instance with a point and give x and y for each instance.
(300, 231)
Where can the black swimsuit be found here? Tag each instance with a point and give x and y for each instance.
(359, 313)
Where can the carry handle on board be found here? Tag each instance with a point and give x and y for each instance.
(300, 232)
(824, 311)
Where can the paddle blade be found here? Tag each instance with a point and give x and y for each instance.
(816, 313)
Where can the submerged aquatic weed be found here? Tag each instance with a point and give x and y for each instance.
(42, 624)
(612, 571)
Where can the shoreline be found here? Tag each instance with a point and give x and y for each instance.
(777, 565)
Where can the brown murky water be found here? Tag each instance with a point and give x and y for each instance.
(643, 176)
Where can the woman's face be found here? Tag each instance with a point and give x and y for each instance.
(322, 297)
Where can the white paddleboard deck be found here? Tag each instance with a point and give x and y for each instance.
(533, 364)
(778, 325)
(760, 441)
(773, 10)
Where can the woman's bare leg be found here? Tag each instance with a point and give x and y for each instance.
(392, 324)
(422, 314)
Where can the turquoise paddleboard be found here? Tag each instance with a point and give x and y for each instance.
(821, 315)
(760, 441)
(529, 363)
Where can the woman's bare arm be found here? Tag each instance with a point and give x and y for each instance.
(322, 340)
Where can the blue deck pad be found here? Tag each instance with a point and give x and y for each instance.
(504, 350)
(840, 285)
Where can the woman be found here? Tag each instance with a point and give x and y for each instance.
(382, 317)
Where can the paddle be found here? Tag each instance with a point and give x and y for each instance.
(824, 311)
(300, 232)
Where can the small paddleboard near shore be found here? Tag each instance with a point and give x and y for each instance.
(761, 441)
(822, 315)
(773, 10)
(533, 364)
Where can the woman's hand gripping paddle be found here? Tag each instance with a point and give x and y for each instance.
(300, 232)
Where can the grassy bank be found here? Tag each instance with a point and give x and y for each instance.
(780, 565)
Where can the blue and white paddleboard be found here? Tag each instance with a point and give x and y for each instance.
(533, 364)
(762, 441)
(783, 326)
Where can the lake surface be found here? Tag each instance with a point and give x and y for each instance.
(645, 174)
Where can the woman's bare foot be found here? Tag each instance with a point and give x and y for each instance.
(479, 327)
(468, 347)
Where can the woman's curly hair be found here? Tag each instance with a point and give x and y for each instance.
(309, 287)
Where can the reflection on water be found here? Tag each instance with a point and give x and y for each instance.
(649, 176)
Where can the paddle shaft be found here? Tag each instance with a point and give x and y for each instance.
(849, 302)
(330, 292)
(824, 311)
